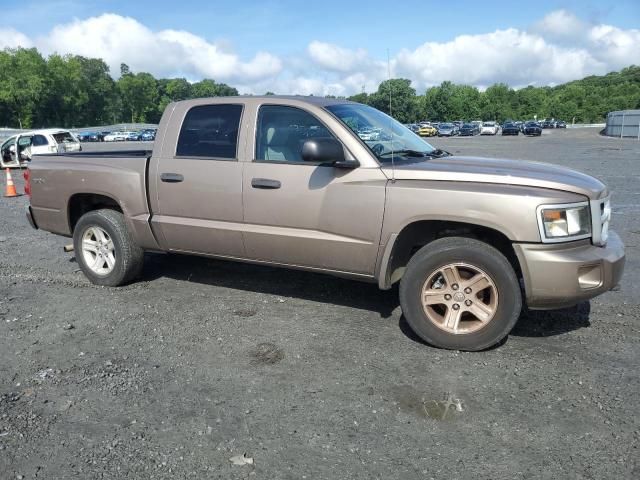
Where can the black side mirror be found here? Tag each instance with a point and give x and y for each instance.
(326, 150)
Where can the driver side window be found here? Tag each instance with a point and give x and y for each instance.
(281, 132)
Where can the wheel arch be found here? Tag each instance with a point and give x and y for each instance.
(81, 203)
(413, 236)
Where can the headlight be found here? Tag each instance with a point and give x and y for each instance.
(559, 223)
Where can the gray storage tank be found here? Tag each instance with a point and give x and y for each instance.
(624, 123)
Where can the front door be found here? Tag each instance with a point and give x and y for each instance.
(198, 203)
(311, 215)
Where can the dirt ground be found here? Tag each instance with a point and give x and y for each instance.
(310, 376)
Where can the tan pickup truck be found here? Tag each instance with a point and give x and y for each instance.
(337, 187)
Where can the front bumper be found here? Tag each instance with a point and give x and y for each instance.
(561, 275)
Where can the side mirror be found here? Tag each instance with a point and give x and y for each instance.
(326, 150)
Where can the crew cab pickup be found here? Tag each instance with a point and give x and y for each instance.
(287, 181)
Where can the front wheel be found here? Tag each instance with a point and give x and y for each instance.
(105, 251)
(460, 293)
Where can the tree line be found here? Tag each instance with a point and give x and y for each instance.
(75, 91)
(583, 101)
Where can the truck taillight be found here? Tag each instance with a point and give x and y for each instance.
(27, 182)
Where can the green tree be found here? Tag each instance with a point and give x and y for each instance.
(22, 85)
(360, 98)
(398, 94)
(209, 88)
(139, 95)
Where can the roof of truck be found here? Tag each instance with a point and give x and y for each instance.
(320, 101)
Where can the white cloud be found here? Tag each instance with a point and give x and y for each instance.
(118, 39)
(512, 56)
(558, 48)
(561, 24)
(333, 57)
(617, 47)
(11, 38)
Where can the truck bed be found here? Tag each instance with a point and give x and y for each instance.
(105, 154)
(60, 180)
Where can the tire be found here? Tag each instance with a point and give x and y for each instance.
(469, 257)
(127, 258)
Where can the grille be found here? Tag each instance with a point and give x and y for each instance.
(600, 219)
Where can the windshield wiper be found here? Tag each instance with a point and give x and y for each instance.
(437, 153)
(407, 152)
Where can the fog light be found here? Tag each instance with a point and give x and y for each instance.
(590, 276)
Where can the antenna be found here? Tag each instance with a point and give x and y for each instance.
(393, 166)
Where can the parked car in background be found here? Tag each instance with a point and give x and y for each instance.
(88, 137)
(427, 130)
(561, 124)
(532, 128)
(469, 129)
(117, 137)
(548, 124)
(148, 135)
(447, 130)
(510, 128)
(18, 149)
(133, 136)
(489, 128)
(368, 134)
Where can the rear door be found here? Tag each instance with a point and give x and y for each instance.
(300, 213)
(40, 145)
(197, 200)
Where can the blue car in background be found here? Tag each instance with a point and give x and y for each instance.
(148, 135)
(89, 137)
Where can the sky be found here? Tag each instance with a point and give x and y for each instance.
(336, 47)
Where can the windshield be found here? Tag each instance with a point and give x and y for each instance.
(385, 137)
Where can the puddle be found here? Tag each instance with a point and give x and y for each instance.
(445, 409)
(441, 407)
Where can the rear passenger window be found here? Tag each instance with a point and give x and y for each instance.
(39, 141)
(210, 131)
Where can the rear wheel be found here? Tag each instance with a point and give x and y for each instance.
(105, 250)
(460, 293)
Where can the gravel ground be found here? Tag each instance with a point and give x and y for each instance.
(310, 376)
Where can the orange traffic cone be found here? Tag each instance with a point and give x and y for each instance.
(11, 188)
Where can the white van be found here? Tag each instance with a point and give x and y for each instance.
(18, 149)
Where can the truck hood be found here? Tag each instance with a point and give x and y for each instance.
(506, 172)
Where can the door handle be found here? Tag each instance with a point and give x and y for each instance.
(171, 177)
(265, 183)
